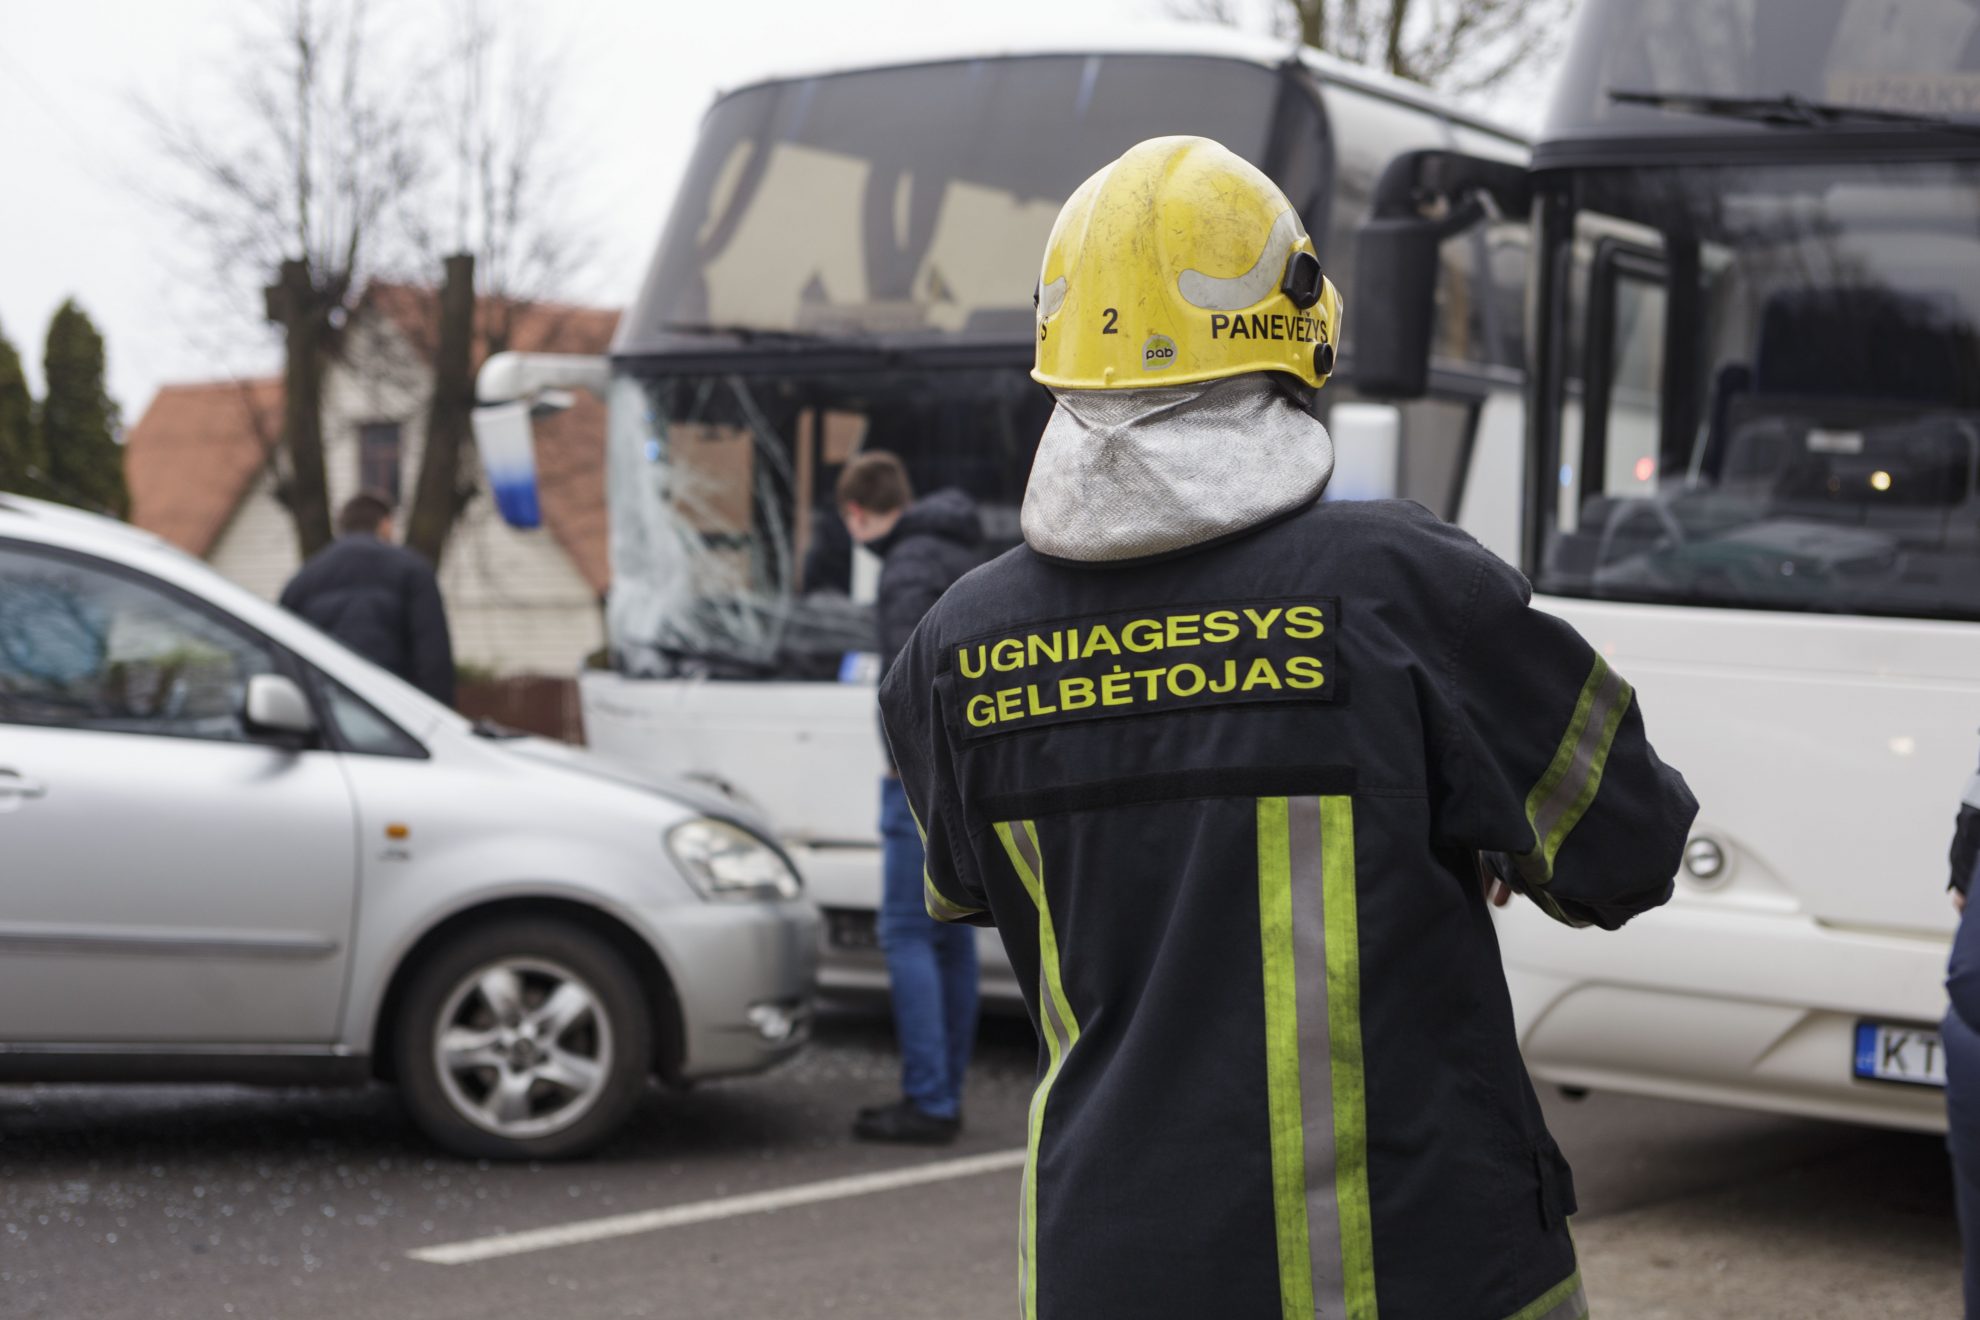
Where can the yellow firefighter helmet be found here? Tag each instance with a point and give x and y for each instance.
(1181, 262)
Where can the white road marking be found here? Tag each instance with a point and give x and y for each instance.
(702, 1212)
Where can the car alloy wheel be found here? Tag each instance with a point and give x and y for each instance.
(523, 1047)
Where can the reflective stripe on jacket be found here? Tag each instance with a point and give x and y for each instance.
(1226, 810)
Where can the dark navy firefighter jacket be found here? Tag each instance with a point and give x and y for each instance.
(1227, 810)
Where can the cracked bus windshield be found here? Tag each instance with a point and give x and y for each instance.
(721, 489)
(850, 265)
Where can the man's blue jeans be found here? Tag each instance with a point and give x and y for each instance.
(931, 966)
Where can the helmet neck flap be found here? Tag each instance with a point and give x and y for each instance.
(1126, 475)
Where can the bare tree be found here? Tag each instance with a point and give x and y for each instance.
(510, 244)
(300, 183)
(1459, 46)
(331, 171)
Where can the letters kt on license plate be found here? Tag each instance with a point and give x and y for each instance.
(1887, 1053)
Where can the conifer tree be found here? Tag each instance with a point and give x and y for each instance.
(20, 446)
(78, 418)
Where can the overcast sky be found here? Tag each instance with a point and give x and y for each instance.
(78, 164)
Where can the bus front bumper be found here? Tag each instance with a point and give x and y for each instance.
(1749, 1009)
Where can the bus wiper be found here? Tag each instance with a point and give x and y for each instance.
(1788, 111)
(751, 334)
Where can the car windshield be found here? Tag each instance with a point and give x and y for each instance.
(912, 203)
(1921, 57)
(1781, 389)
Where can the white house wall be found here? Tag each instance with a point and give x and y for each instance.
(515, 602)
(258, 549)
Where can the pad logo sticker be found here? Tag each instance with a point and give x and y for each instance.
(1148, 662)
(1158, 353)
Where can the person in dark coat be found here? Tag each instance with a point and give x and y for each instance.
(380, 600)
(925, 546)
(1961, 1035)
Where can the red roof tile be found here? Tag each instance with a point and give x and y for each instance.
(194, 454)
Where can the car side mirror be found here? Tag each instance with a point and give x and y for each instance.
(1422, 198)
(275, 706)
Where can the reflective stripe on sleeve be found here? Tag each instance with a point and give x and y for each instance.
(938, 903)
(1314, 1082)
(1061, 1031)
(1567, 789)
(1566, 1300)
(940, 907)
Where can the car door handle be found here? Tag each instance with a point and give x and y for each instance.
(13, 786)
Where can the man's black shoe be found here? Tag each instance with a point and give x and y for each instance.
(903, 1122)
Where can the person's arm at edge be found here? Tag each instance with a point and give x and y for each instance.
(1963, 968)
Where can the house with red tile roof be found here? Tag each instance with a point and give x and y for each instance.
(207, 472)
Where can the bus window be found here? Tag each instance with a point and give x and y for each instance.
(1440, 432)
(1781, 399)
(911, 204)
(1628, 308)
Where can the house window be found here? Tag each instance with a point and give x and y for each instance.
(378, 458)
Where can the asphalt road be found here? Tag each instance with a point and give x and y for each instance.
(152, 1203)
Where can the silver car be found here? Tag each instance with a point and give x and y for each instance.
(231, 850)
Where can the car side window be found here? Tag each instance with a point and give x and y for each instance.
(362, 729)
(85, 648)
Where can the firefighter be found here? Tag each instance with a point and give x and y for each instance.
(1220, 761)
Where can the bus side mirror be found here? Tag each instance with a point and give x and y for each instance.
(1395, 307)
(1423, 198)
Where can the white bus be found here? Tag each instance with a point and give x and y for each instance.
(850, 264)
(1753, 481)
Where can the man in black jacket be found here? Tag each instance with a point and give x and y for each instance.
(931, 967)
(378, 599)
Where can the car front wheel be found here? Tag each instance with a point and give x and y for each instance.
(523, 1040)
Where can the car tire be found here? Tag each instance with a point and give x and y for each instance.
(523, 1040)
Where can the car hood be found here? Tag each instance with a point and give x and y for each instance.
(708, 799)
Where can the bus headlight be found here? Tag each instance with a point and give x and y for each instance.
(725, 861)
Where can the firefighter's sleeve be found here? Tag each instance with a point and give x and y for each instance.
(918, 737)
(1542, 765)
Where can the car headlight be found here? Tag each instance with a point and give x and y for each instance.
(727, 861)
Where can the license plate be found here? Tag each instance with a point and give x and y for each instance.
(1912, 1055)
(851, 928)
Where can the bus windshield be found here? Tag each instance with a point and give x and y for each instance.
(1921, 57)
(1778, 403)
(911, 204)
